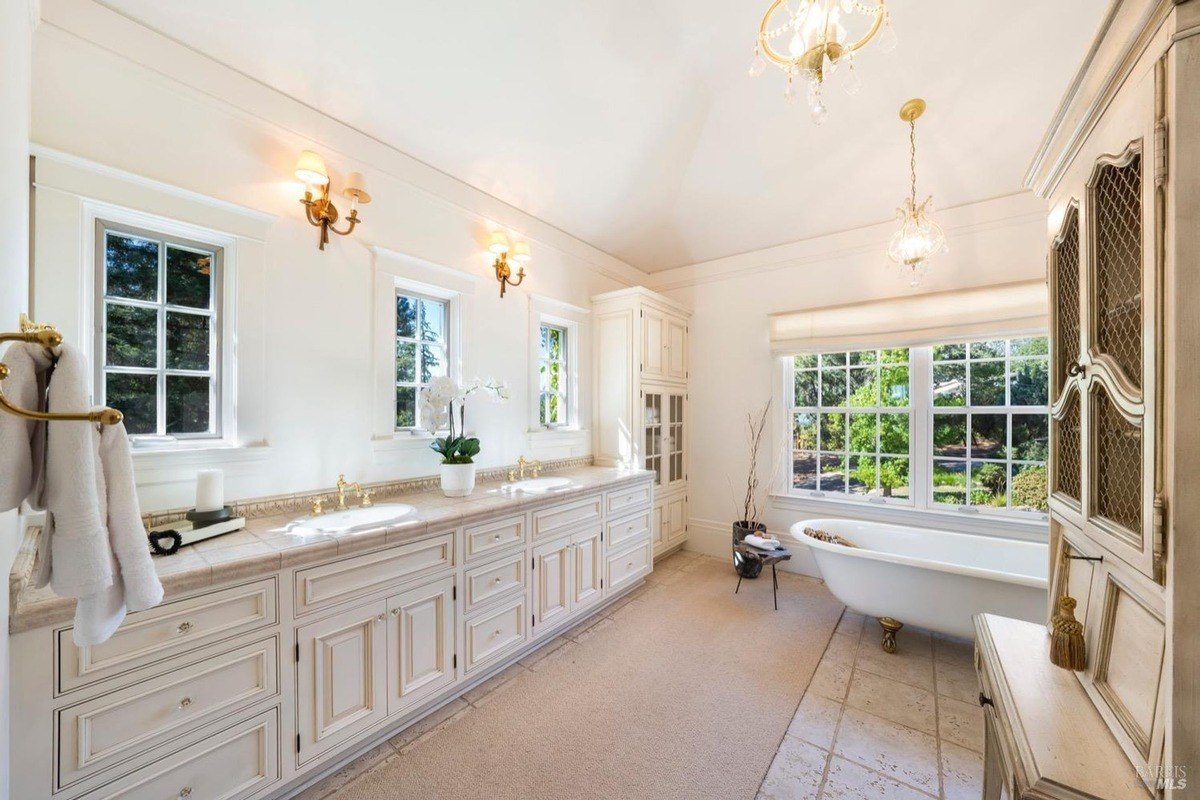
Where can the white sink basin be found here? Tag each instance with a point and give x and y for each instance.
(352, 519)
(537, 485)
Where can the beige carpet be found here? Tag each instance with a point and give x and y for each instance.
(685, 692)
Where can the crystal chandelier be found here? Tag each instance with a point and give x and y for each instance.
(816, 43)
(919, 237)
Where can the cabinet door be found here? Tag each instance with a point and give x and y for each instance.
(552, 573)
(420, 643)
(587, 558)
(341, 677)
(677, 357)
(676, 513)
(654, 426)
(674, 465)
(654, 345)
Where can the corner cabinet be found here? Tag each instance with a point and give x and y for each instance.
(1123, 183)
(642, 399)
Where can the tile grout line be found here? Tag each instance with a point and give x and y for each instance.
(837, 726)
(937, 717)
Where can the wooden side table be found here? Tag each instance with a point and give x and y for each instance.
(768, 558)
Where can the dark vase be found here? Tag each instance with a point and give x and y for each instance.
(747, 567)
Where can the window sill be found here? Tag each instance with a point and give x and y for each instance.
(1030, 529)
(558, 437)
(178, 461)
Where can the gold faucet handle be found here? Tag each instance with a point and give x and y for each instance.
(512, 475)
(364, 496)
(317, 503)
(537, 467)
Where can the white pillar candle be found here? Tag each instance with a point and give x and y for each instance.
(210, 490)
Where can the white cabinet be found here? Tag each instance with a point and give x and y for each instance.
(341, 677)
(420, 643)
(357, 667)
(641, 404)
(568, 575)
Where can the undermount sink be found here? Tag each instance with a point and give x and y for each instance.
(352, 519)
(537, 485)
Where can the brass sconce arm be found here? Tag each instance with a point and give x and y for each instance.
(318, 208)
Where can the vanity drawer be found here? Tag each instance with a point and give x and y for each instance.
(567, 517)
(489, 581)
(167, 630)
(239, 762)
(495, 632)
(492, 537)
(330, 584)
(626, 567)
(628, 499)
(99, 733)
(625, 530)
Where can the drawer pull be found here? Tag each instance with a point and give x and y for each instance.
(495, 633)
(984, 700)
(395, 612)
(380, 618)
(629, 565)
(498, 579)
(185, 792)
(184, 626)
(184, 703)
(496, 538)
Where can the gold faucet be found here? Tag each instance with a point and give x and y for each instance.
(534, 467)
(341, 492)
(364, 495)
(316, 504)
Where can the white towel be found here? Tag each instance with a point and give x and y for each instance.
(22, 441)
(93, 545)
(762, 542)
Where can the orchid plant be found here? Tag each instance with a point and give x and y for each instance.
(438, 401)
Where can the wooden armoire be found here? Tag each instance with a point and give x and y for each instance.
(1120, 167)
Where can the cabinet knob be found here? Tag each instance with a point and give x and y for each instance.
(1074, 369)
(395, 612)
(498, 579)
(380, 618)
(184, 627)
(185, 792)
(185, 702)
(495, 633)
(629, 565)
(496, 538)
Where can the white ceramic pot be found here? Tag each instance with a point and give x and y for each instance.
(458, 480)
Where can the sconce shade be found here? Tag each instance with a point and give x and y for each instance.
(356, 188)
(498, 243)
(310, 169)
(520, 252)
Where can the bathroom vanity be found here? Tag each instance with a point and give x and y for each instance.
(275, 657)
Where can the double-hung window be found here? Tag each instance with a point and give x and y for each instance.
(158, 308)
(422, 351)
(958, 426)
(553, 376)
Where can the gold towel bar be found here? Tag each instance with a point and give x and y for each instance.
(48, 337)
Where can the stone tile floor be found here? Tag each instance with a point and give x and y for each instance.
(874, 726)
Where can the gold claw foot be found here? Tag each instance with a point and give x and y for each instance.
(890, 628)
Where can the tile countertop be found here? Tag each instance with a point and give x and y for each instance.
(264, 546)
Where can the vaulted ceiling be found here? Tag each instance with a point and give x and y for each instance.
(632, 124)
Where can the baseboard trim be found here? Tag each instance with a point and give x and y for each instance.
(714, 538)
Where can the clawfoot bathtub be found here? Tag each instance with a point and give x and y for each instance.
(935, 579)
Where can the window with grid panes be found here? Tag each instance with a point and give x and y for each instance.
(422, 353)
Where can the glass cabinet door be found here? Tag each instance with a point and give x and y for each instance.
(674, 441)
(652, 424)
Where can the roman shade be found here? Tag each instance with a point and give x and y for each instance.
(1002, 311)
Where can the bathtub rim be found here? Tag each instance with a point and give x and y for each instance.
(797, 532)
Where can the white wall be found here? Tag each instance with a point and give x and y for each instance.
(159, 118)
(732, 371)
(16, 27)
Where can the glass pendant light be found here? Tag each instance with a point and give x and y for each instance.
(919, 238)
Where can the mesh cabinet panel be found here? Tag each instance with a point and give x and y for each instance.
(1068, 474)
(1118, 450)
(1066, 278)
(1117, 208)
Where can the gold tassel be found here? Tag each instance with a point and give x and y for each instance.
(1067, 648)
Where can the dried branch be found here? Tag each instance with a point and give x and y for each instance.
(756, 427)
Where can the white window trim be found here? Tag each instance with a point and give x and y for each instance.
(450, 341)
(96, 213)
(399, 273)
(547, 310)
(1023, 524)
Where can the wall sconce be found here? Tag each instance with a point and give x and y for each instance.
(320, 211)
(501, 246)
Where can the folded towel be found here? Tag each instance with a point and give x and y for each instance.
(22, 441)
(762, 542)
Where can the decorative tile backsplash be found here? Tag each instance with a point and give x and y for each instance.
(300, 502)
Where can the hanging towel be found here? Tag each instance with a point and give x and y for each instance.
(93, 545)
(23, 441)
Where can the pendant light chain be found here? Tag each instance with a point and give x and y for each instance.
(912, 161)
